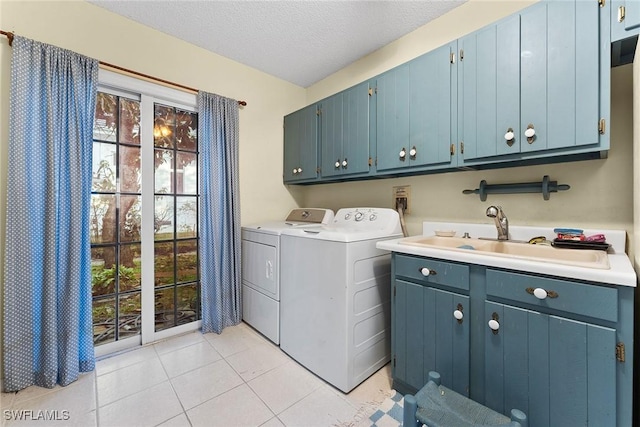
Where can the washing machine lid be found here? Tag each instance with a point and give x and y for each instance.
(311, 217)
(353, 225)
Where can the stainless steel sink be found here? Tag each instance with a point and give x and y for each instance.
(575, 257)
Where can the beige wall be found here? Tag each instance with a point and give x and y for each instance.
(601, 190)
(95, 32)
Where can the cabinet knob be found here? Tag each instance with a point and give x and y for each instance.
(530, 133)
(344, 163)
(493, 323)
(413, 152)
(337, 163)
(402, 154)
(509, 137)
(427, 272)
(541, 293)
(295, 171)
(458, 314)
(299, 170)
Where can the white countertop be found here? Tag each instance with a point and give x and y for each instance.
(620, 273)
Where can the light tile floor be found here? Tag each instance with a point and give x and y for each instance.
(237, 378)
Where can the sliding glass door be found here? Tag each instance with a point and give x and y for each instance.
(144, 215)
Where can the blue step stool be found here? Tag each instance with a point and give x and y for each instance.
(437, 406)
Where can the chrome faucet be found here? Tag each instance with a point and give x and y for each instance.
(502, 223)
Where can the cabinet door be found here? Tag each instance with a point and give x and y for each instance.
(489, 91)
(355, 145)
(427, 336)
(392, 118)
(300, 145)
(432, 82)
(331, 123)
(558, 371)
(631, 14)
(560, 61)
(625, 19)
(345, 132)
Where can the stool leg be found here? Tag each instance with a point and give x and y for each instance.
(409, 411)
(519, 417)
(435, 377)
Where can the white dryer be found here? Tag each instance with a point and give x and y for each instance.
(261, 268)
(335, 295)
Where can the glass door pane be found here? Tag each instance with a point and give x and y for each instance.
(115, 219)
(177, 278)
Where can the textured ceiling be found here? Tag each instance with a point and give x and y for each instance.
(299, 41)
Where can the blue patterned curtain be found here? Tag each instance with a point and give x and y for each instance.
(219, 212)
(47, 270)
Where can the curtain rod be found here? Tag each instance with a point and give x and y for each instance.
(9, 36)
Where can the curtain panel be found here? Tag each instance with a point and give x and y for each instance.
(47, 323)
(219, 220)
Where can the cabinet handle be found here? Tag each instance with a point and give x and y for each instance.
(337, 163)
(541, 293)
(413, 152)
(530, 133)
(458, 314)
(510, 137)
(402, 154)
(493, 323)
(344, 163)
(427, 272)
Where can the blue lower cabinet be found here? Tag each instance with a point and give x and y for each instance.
(424, 316)
(563, 356)
(558, 371)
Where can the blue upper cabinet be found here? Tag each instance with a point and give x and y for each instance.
(625, 19)
(531, 88)
(561, 77)
(489, 92)
(392, 118)
(535, 84)
(416, 109)
(301, 145)
(344, 138)
(432, 107)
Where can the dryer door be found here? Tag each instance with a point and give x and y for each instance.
(260, 268)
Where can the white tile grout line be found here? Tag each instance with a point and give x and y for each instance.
(171, 385)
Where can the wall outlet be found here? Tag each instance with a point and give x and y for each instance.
(402, 197)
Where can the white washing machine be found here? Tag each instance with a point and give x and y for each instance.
(335, 311)
(261, 268)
